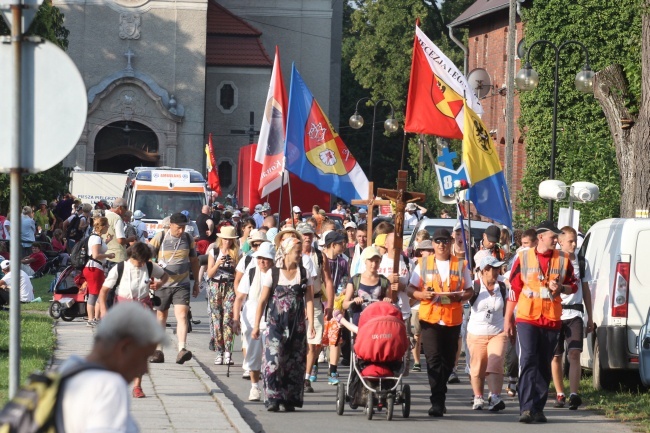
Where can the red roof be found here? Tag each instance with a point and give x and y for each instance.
(231, 41)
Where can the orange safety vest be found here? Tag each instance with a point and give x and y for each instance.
(450, 314)
(531, 306)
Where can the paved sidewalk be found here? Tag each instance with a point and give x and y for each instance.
(180, 398)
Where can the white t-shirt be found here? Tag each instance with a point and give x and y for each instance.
(7, 228)
(94, 401)
(242, 267)
(96, 240)
(26, 288)
(315, 270)
(386, 269)
(253, 290)
(573, 298)
(410, 220)
(487, 312)
(133, 284)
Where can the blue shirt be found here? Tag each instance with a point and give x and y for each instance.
(27, 231)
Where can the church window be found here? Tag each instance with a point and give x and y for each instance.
(227, 95)
(225, 174)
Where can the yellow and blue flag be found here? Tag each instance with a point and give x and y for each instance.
(488, 190)
(315, 152)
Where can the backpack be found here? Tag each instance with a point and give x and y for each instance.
(80, 254)
(120, 272)
(73, 231)
(477, 289)
(33, 408)
(247, 260)
(356, 280)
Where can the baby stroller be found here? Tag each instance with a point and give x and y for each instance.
(379, 360)
(69, 300)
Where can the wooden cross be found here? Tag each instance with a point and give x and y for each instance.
(401, 197)
(371, 203)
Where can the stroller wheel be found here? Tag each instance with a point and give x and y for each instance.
(390, 405)
(340, 399)
(67, 315)
(369, 407)
(406, 401)
(55, 310)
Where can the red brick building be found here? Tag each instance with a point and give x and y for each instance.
(487, 23)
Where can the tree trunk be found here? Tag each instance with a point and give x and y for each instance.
(631, 134)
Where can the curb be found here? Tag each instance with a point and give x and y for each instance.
(226, 405)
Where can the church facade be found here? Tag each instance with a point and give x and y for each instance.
(162, 75)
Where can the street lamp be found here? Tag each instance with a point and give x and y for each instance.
(527, 79)
(390, 125)
(583, 192)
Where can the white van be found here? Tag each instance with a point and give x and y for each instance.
(616, 255)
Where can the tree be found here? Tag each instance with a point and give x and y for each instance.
(585, 151)
(47, 185)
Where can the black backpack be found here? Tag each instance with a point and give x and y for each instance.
(477, 289)
(80, 254)
(73, 231)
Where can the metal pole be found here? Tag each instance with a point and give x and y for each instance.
(571, 206)
(293, 224)
(510, 95)
(280, 204)
(554, 126)
(372, 138)
(14, 201)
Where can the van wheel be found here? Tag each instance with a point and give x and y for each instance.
(603, 378)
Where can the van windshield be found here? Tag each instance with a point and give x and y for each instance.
(160, 204)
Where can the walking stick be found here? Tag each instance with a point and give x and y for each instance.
(232, 347)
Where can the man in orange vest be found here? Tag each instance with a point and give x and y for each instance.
(538, 277)
(441, 282)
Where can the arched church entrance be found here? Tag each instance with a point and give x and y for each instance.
(123, 145)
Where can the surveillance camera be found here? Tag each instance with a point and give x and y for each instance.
(552, 190)
(584, 191)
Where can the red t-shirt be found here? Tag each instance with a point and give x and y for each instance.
(516, 286)
(39, 260)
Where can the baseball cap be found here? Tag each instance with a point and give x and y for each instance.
(363, 211)
(296, 209)
(178, 218)
(424, 245)
(138, 215)
(186, 213)
(350, 225)
(380, 240)
(493, 233)
(546, 226)
(441, 234)
(458, 225)
(236, 214)
(334, 237)
(490, 261)
(369, 253)
(5, 264)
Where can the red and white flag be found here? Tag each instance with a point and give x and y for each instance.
(270, 147)
(436, 92)
(211, 167)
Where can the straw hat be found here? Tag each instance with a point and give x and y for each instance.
(257, 236)
(282, 232)
(227, 232)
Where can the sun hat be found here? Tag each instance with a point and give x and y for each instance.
(282, 232)
(257, 236)
(370, 253)
(411, 206)
(493, 233)
(5, 265)
(178, 219)
(296, 209)
(363, 211)
(380, 240)
(258, 208)
(265, 251)
(227, 232)
(245, 209)
(491, 261)
(351, 225)
(138, 215)
(42, 202)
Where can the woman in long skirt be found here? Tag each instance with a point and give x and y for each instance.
(287, 290)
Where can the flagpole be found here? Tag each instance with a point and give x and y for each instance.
(401, 165)
(293, 223)
(280, 204)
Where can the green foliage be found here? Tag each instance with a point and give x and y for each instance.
(46, 185)
(585, 150)
(48, 24)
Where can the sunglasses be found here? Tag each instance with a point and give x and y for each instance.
(442, 241)
(256, 244)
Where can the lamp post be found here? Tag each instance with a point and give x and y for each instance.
(390, 124)
(528, 79)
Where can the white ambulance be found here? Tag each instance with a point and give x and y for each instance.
(161, 191)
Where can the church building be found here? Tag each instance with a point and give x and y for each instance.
(161, 75)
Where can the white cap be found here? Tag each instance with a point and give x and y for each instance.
(323, 235)
(411, 206)
(266, 251)
(5, 264)
(351, 224)
(296, 209)
(236, 214)
(138, 215)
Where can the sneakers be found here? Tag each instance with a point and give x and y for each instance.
(183, 356)
(137, 392)
(246, 375)
(574, 401)
(478, 403)
(511, 389)
(539, 417)
(526, 417)
(333, 379)
(417, 367)
(90, 323)
(453, 378)
(158, 357)
(307, 386)
(495, 403)
(227, 360)
(321, 357)
(313, 377)
(255, 394)
(560, 401)
(218, 360)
